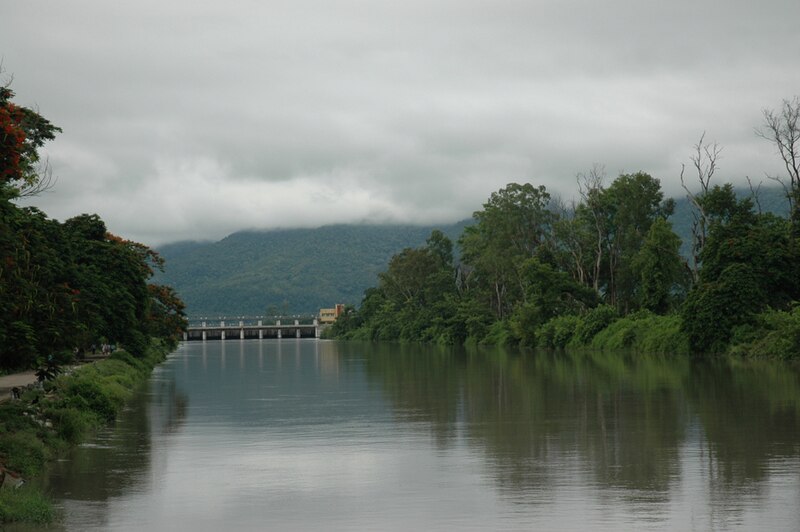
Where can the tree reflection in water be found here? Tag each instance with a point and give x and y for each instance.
(623, 420)
(120, 456)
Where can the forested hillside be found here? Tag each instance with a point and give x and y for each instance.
(288, 270)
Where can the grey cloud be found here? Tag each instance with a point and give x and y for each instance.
(193, 119)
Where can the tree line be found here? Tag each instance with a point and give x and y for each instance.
(607, 269)
(67, 286)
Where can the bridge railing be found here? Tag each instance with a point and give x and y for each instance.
(251, 321)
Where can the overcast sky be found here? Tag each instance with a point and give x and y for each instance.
(193, 119)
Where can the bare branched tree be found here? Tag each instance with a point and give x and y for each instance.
(782, 128)
(569, 234)
(704, 159)
(755, 193)
(590, 186)
(44, 181)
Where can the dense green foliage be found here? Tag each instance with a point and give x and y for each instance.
(523, 265)
(607, 274)
(44, 422)
(749, 265)
(67, 286)
(774, 334)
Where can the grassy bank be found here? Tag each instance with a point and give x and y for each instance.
(63, 413)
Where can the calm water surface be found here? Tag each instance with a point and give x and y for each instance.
(307, 434)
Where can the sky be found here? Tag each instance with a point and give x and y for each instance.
(189, 120)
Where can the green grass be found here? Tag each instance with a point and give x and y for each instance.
(25, 505)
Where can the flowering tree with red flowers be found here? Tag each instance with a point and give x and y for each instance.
(66, 286)
(22, 132)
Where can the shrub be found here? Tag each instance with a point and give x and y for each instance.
(86, 394)
(593, 322)
(14, 417)
(620, 334)
(23, 452)
(558, 332)
(663, 334)
(48, 369)
(644, 332)
(776, 335)
(498, 333)
(71, 424)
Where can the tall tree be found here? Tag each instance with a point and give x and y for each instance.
(660, 268)
(513, 225)
(630, 205)
(416, 293)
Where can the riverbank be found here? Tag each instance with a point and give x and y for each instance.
(771, 334)
(45, 422)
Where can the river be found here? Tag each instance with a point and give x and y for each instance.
(321, 435)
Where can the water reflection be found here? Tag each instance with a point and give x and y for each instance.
(117, 458)
(633, 422)
(299, 434)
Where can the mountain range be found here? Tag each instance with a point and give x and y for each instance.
(286, 271)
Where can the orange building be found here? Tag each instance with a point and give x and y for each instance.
(329, 315)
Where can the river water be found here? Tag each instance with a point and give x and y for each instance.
(320, 435)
